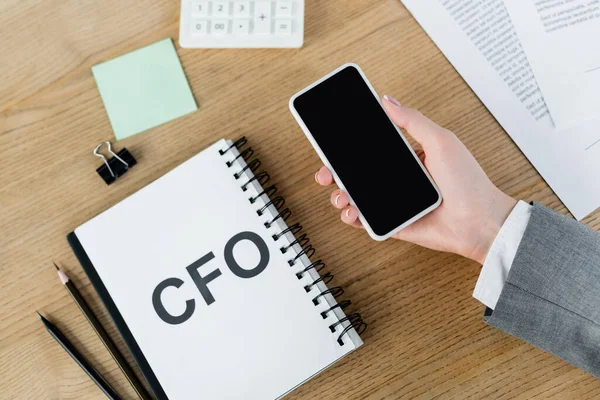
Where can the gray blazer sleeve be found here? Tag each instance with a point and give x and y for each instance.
(551, 298)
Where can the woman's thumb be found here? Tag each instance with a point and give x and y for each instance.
(421, 128)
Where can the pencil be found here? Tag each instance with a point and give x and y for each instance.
(80, 359)
(103, 335)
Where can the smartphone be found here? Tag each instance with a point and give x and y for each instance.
(370, 159)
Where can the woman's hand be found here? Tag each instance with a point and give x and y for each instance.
(473, 209)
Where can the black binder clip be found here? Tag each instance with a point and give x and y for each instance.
(116, 166)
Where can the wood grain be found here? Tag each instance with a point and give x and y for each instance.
(426, 337)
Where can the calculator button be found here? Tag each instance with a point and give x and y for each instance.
(220, 9)
(198, 27)
(283, 27)
(283, 9)
(241, 27)
(262, 17)
(262, 7)
(199, 8)
(241, 8)
(219, 27)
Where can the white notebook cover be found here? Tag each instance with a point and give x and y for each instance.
(260, 338)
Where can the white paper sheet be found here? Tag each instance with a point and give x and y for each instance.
(562, 42)
(479, 40)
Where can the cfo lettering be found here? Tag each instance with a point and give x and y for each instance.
(202, 281)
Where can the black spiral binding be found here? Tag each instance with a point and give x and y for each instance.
(354, 320)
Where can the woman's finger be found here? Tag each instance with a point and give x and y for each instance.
(324, 177)
(339, 199)
(358, 224)
(350, 215)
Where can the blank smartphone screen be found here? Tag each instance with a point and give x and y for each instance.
(371, 159)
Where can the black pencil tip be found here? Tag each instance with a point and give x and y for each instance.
(58, 269)
(39, 315)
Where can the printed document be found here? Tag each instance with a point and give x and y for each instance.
(562, 41)
(478, 38)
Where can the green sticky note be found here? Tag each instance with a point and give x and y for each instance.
(144, 88)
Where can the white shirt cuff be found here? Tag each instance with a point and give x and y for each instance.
(501, 256)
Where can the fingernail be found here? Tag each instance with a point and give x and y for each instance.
(336, 199)
(348, 213)
(392, 100)
(316, 179)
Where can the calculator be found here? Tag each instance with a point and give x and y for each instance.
(241, 24)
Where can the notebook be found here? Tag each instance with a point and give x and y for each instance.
(214, 293)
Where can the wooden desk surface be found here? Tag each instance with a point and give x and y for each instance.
(426, 338)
